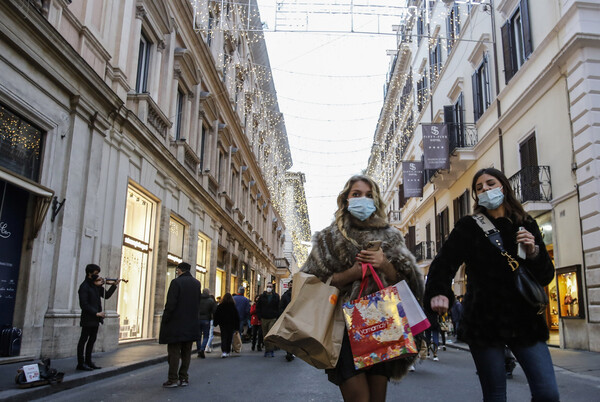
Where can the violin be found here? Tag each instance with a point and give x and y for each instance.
(113, 281)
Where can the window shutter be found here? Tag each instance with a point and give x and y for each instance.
(527, 45)
(476, 97)
(452, 129)
(487, 86)
(438, 232)
(456, 209)
(507, 51)
(401, 199)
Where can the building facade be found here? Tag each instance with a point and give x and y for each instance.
(134, 134)
(514, 83)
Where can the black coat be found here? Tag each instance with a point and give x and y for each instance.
(90, 303)
(207, 308)
(493, 311)
(180, 318)
(227, 317)
(286, 298)
(268, 309)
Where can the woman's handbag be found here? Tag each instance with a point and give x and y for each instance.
(312, 325)
(377, 325)
(527, 286)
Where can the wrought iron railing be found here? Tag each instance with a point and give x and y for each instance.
(462, 136)
(424, 250)
(394, 216)
(532, 183)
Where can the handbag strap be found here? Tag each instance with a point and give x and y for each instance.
(363, 283)
(493, 235)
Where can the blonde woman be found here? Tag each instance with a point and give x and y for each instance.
(338, 251)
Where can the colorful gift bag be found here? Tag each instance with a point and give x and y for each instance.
(377, 325)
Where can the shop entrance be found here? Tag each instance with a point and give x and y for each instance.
(140, 216)
(13, 207)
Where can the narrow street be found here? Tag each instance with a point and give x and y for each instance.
(251, 377)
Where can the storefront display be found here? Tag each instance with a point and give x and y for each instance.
(569, 291)
(202, 259)
(136, 261)
(175, 250)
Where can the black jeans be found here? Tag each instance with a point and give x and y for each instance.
(88, 335)
(257, 335)
(226, 339)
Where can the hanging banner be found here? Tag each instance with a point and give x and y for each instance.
(435, 146)
(413, 178)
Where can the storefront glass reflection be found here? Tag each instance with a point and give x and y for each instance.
(135, 261)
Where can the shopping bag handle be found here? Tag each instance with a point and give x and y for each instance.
(363, 283)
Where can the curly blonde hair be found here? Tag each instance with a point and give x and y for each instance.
(342, 202)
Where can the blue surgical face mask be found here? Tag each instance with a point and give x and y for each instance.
(361, 208)
(491, 199)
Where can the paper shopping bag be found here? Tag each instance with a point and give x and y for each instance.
(412, 309)
(312, 325)
(377, 328)
(237, 342)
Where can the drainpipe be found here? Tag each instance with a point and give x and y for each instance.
(497, 81)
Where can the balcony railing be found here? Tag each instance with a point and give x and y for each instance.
(394, 216)
(532, 183)
(462, 136)
(424, 250)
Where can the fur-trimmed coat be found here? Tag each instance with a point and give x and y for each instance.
(333, 253)
(494, 314)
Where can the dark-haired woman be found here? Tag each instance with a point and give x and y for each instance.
(338, 251)
(494, 313)
(228, 320)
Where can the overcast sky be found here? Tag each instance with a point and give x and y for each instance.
(330, 91)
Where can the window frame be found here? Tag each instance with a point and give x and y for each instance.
(143, 67)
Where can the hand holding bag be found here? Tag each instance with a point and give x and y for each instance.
(528, 287)
(312, 325)
(377, 325)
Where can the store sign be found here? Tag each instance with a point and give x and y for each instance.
(435, 146)
(413, 178)
(12, 221)
(136, 244)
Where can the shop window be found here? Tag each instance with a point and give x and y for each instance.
(20, 145)
(220, 284)
(202, 259)
(569, 293)
(174, 251)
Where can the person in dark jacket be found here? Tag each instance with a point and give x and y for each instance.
(90, 292)
(226, 317)
(286, 298)
(242, 304)
(456, 313)
(267, 308)
(179, 327)
(494, 312)
(206, 310)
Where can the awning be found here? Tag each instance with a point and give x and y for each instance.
(43, 196)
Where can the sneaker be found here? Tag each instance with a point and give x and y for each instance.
(411, 368)
(184, 383)
(435, 359)
(208, 350)
(170, 384)
(224, 355)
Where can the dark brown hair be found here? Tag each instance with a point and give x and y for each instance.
(227, 299)
(514, 209)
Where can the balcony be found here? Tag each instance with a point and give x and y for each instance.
(461, 136)
(424, 251)
(283, 266)
(462, 140)
(532, 187)
(394, 216)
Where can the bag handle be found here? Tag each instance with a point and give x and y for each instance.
(363, 283)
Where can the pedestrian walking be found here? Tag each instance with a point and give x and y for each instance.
(268, 311)
(286, 298)
(338, 252)
(432, 337)
(179, 326)
(456, 313)
(211, 334)
(242, 304)
(90, 293)
(226, 317)
(494, 312)
(206, 310)
(257, 334)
